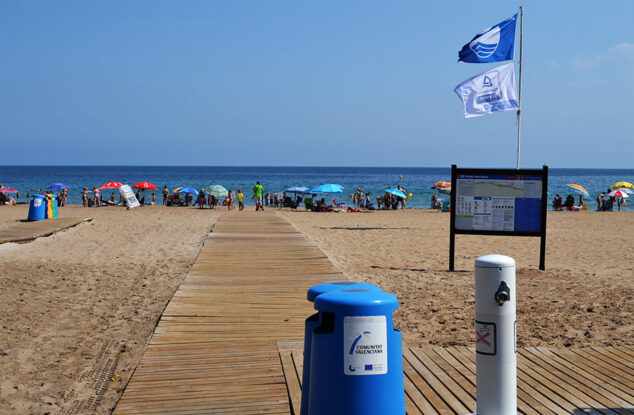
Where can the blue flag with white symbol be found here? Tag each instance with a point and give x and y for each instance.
(495, 44)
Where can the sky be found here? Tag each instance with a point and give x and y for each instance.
(308, 83)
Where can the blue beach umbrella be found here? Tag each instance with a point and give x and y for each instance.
(327, 188)
(57, 186)
(217, 190)
(188, 190)
(396, 192)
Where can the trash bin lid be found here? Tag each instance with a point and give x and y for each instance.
(494, 261)
(357, 302)
(326, 287)
(38, 196)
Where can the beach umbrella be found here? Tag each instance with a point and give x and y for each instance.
(327, 188)
(579, 189)
(396, 192)
(57, 186)
(296, 189)
(217, 190)
(8, 190)
(618, 193)
(188, 190)
(619, 185)
(110, 185)
(144, 186)
(177, 189)
(444, 190)
(441, 184)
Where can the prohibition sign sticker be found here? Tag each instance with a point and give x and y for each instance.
(485, 338)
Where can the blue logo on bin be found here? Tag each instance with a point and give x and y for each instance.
(368, 367)
(354, 343)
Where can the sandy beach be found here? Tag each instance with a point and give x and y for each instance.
(79, 306)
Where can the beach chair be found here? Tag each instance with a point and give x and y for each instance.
(308, 202)
(337, 204)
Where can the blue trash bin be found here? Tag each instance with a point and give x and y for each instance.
(356, 364)
(314, 321)
(37, 208)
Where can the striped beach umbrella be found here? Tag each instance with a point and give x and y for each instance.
(579, 189)
(217, 190)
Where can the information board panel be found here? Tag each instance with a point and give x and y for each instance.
(498, 202)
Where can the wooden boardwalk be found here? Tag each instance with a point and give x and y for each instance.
(215, 347)
(27, 231)
(229, 341)
(441, 380)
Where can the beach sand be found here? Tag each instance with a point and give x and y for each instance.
(79, 307)
(585, 296)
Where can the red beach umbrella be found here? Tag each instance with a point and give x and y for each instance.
(110, 185)
(144, 185)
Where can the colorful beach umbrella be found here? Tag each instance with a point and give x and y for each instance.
(327, 188)
(444, 190)
(144, 186)
(110, 185)
(8, 190)
(579, 189)
(441, 184)
(217, 190)
(619, 185)
(188, 190)
(618, 193)
(57, 186)
(396, 192)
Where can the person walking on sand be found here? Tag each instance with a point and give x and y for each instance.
(230, 200)
(257, 196)
(240, 198)
(84, 197)
(165, 193)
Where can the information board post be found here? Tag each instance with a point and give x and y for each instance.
(503, 202)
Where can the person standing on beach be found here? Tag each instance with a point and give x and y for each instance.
(165, 193)
(257, 196)
(95, 193)
(240, 200)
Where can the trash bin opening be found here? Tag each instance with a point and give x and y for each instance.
(327, 323)
(344, 283)
(355, 290)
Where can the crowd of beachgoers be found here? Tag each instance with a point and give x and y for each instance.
(325, 198)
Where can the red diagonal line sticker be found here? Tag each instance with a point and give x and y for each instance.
(482, 338)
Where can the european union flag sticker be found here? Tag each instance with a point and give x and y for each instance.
(368, 367)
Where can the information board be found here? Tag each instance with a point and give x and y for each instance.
(128, 195)
(498, 202)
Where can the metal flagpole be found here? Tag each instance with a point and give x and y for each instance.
(519, 104)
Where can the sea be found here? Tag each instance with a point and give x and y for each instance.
(416, 180)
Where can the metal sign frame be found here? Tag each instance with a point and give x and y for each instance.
(455, 171)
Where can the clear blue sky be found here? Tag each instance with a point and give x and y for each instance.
(307, 83)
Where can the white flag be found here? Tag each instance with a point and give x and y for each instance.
(491, 91)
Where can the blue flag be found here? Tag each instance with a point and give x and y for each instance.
(494, 44)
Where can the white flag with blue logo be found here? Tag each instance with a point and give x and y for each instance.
(491, 91)
(494, 44)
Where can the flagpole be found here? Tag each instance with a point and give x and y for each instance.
(519, 104)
